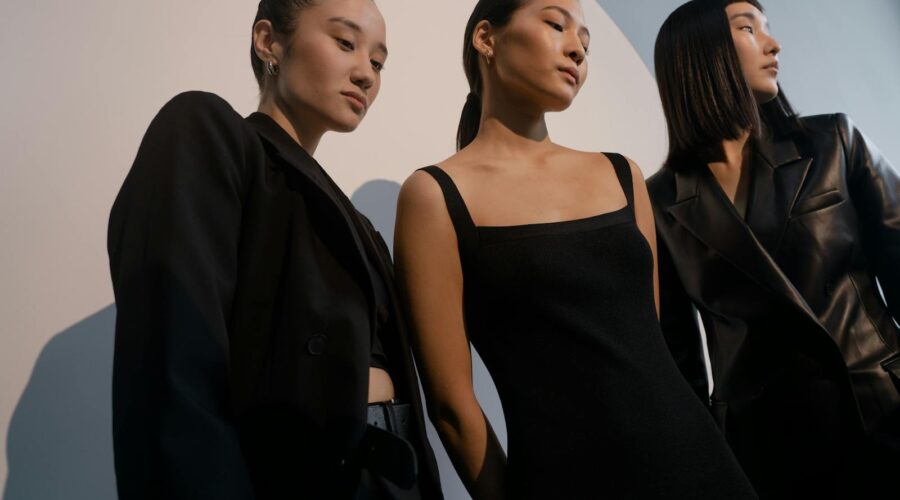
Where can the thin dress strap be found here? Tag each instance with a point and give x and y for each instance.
(623, 172)
(466, 231)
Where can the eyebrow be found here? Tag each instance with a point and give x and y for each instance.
(568, 15)
(355, 27)
(749, 15)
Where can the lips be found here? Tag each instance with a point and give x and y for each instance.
(358, 99)
(573, 72)
(771, 66)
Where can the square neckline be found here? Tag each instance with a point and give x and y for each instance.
(450, 188)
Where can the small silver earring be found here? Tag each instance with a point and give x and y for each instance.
(488, 58)
(272, 68)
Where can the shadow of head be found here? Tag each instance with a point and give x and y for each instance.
(59, 442)
(377, 200)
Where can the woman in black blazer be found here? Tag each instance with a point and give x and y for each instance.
(258, 331)
(776, 229)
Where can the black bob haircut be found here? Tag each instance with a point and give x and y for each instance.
(705, 98)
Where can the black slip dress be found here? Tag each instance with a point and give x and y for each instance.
(563, 316)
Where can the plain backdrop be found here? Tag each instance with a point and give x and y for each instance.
(81, 81)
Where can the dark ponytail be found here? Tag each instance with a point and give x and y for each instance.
(498, 13)
(283, 16)
(469, 122)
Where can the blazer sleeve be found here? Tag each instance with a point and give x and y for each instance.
(173, 242)
(875, 190)
(679, 324)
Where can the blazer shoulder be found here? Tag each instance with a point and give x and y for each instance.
(199, 111)
(202, 120)
(195, 136)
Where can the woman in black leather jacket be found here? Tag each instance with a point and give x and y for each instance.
(778, 230)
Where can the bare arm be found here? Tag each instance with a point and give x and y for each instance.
(430, 278)
(643, 213)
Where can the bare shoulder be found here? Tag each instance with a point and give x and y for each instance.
(602, 159)
(420, 192)
(636, 173)
(582, 157)
(461, 163)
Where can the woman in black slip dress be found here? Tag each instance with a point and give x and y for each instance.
(544, 258)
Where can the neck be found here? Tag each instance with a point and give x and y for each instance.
(510, 126)
(736, 150)
(299, 129)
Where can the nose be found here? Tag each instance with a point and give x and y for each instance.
(772, 46)
(363, 75)
(575, 50)
(577, 55)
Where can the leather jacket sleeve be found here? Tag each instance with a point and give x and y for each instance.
(679, 325)
(875, 191)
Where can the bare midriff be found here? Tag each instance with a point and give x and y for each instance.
(381, 387)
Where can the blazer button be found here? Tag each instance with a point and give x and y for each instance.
(317, 344)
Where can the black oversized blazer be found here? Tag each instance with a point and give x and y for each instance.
(788, 296)
(244, 303)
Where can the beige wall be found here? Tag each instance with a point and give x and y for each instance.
(83, 79)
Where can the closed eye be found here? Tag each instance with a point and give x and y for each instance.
(345, 44)
(557, 27)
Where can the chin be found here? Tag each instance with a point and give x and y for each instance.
(560, 101)
(343, 124)
(765, 96)
(765, 93)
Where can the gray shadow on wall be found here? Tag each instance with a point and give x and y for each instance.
(377, 200)
(59, 443)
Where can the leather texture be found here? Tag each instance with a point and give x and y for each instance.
(803, 347)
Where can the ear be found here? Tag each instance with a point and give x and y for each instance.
(264, 41)
(483, 38)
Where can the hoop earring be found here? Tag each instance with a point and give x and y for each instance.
(272, 68)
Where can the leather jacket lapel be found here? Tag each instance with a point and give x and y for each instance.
(702, 208)
(778, 175)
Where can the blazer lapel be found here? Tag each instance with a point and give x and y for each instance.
(310, 170)
(703, 209)
(778, 175)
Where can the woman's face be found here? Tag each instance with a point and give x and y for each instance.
(540, 54)
(330, 67)
(756, 49)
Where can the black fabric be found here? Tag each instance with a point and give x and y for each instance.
(243, 335)
(563, 316)
(800, 339)
(380, 298)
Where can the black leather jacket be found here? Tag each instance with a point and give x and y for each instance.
(788, 295)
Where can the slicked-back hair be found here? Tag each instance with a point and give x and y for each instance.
(498, 13)
(283, 16)
(705, 97)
